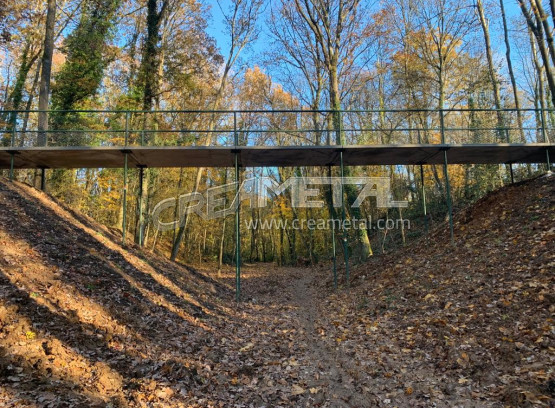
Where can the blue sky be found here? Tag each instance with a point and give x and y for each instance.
(215, 25)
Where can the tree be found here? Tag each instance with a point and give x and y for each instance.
(296, 50)
(341, 31)
(511, 71)
(87, 56)
(150, 77)
(241, 27)
(46, 71)
(491, 69)
(537, 24)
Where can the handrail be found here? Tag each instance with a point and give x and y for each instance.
(281, 126)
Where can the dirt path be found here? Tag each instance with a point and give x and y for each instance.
(317, 371)
(335, 383)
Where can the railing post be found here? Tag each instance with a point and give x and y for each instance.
(14, 129)
(507, 131)
(126, 134)
(43, 170)
(143, 130)
(442, 125)
(544, 131)
(548, 161)
(237, 214)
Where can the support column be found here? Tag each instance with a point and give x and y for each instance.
(512, 174)
(237, 215)
(446, 173)
(344, 233)
(448, 193)
(423, 189)
(125, 162)
(124, 221)
(141, 215)
(333, 248)
(12, 160)
(43, 179)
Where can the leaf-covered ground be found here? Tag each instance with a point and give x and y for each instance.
(85, 323)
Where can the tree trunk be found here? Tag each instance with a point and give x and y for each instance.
(29, 105)
(149, 66)
(221, 250)
(540, 98)
(539, 12)
(491, 70)
(511, 72)
(44, 93)
(537, 30)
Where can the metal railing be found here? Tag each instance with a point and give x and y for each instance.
(277, 127)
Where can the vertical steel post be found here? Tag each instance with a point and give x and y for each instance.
(333, 248)
(544, 132)
(143, 130)
(448, 193)
(423, 187)
(124, 221)
(446, 173)
(512, 174)
(141, 215)
(43, 170)
(508, 137)
(12, 159)
(14, 129)
(442, 125)
(423, 190)
(237, 214)
(126, 133)
(343, 216)
(43, 179)
(548, 160)
(12, 144)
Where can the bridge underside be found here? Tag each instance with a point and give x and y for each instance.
(254, 156)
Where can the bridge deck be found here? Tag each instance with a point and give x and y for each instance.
(260, 156)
